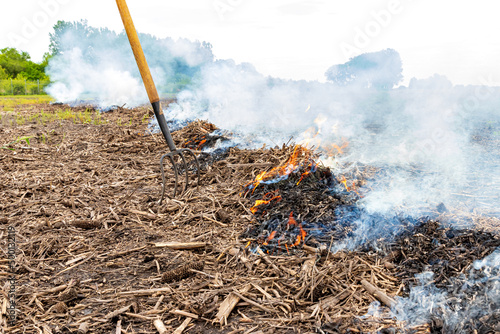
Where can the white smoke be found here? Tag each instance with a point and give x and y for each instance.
(423, 137)
(432, 142)
(103, 81)
(97, 65)
(477, 300)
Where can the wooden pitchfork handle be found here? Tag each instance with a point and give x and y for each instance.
(144, 70)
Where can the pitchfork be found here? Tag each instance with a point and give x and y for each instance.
(155, 102)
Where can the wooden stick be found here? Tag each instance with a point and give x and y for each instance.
(227, 306)
(251, 302)
(22, 159)
(160, 326)
(159, 302)
(113, 255)
(261, 164)
(115, 313)
(185, 314)
(213, 220)
(269, 262)
(388, 301)
(310, 249)
(83, 328)
(144, 214)
(181, 245)
(119, 327)
(138, 316)
(144, 292)
(251, 330)
(75, 265)
(183, 326)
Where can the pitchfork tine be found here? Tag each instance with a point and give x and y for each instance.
(185, 170)
(197, 165)
(155, 102)
(176, 173)
(176, 170)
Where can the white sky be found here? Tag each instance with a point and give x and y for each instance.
(295, 39)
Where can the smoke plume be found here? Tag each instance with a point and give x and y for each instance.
(432, 143)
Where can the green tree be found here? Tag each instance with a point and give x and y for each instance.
(3, 74)
(56, 37)
(34, 71)
(18, 63)
(13, 61)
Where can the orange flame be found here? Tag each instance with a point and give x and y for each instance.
(301, 237)
(299, 156)
(336, 149)
(303, 176)
(269, 238)
(260, 202)
(291, 220)
(344, 182)
(201, 143)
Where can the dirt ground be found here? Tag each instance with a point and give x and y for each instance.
(95, 251)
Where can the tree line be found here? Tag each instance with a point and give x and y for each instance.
(16, 64)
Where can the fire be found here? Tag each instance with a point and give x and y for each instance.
(258, 179)
(291, 224)
(272, 196)
(291, 220)
(303, 176)
(311, 138)
(335, 149)
(300, 158)
(201, 143)
(197, 142)
(269, 238)
(344, 182)
(302, 235)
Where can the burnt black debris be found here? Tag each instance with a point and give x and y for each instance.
(445, 251)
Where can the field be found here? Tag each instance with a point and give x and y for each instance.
(96, 253)
(8, 103)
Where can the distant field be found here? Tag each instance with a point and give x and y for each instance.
(7, 103)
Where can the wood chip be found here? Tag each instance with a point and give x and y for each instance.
(388, 301)
(183, 326)
(160, 326)
(227, 306)
(181, 245)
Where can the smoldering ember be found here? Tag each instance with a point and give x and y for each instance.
(350, 206)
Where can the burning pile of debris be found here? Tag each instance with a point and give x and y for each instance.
(198, 135)
(291, 202)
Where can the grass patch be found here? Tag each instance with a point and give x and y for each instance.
(18, 140)
(89, 116)
(9, 102)
(84, 117)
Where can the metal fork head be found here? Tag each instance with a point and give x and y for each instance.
(178, 168)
